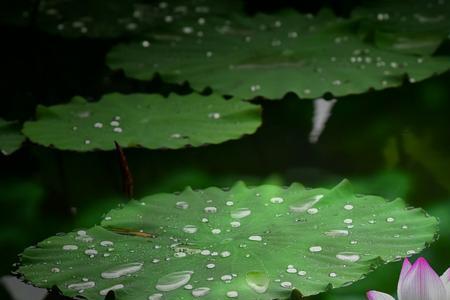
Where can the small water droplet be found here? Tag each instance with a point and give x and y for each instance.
(315, 249)
(235, 224)
(70, 247)
(336, 232)
(390, 220)
(348, 221)
(210, 210)
(256, 238)
(232, 294)
(190, 229)
(277, 200)
(332, 274)
(216, 231)
(182, 205)
(286, 285)
(348, 207)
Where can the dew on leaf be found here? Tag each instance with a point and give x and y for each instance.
(122, 270)
(173, 281)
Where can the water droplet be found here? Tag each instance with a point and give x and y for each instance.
(113, 288)
(117, 129)
(216, 231)
(405, 227)
(200, 292)
(190, 229)
(81, 285)
(98, 125)
(348, 207)
(302, 273)
(312, 211)
(114, 123)
(232, 294)
(229, 203)
(258, 281)
(145, 44)
(91, 252)
(210, 210)
(173, 281)
(256, 238)
(157, 296)
(291, 270)
(332, 274)
(235, 224)
(336, 232)
(210, 266)
(55, 270)
(182, 205)
(348, 221)
(205, 252)
(305, 204)
(214, 115)
(277, 200)
(70, 247)
(106, 243)
(348, 256)
(390, 220)
(188, 287)
(122, 270)
(225, 253)
(286, 285)
(240, 213)
(315, 249)
(226, 277)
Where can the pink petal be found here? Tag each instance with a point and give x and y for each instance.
(405, 268)
(422, 283)
(446, 281)
(374, 295)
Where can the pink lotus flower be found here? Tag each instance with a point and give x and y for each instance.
(418, 282)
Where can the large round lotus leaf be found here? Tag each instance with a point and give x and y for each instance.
(272, 55)
(144, 120)
(246, 243)
(408, 26)
(10, 137)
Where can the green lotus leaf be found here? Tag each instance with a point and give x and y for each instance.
(144, 120)
(249, 243)
(115, 18)
(10, 137)
(407, 26)
(270, 56)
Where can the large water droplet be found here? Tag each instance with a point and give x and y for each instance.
(81, 286)
(113, 288)
(200, 292)
(258, 281)
(305, 204)
(122, 270)
(173, 281)
(240, 213)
